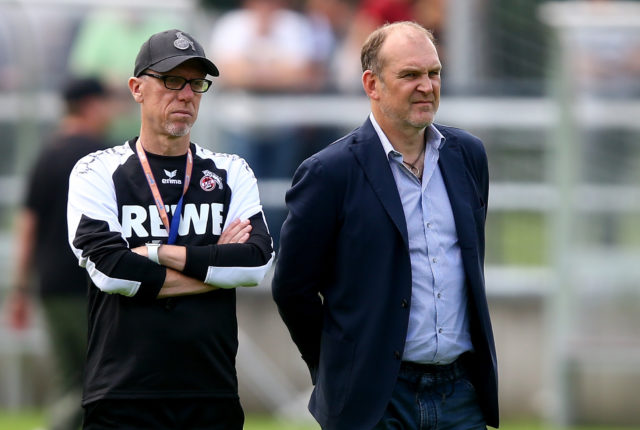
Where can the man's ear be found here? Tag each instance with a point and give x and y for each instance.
(370, 84)
(135, 86)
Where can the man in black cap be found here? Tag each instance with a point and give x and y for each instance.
(42, 248)
(166, 230)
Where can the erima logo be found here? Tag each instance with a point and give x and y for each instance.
(171, 174)
(195, 219)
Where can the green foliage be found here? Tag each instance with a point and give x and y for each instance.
(21, 420)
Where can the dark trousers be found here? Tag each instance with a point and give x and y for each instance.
(67, 327)
(429, 397)
(164, 414)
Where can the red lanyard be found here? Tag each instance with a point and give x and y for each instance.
(172, 229)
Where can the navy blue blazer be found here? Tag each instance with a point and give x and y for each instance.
(342, 281)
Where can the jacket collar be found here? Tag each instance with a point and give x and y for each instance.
(374, 162)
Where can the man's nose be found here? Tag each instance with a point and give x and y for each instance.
(186, 93)
(425, 85)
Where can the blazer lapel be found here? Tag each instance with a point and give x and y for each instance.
(369, 153)
(457, 184)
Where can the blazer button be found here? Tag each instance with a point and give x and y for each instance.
(169, 305)
(404, 303)
(397, 355)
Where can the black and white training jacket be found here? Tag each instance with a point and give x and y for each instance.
(140, 346)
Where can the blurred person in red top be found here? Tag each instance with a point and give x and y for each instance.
(387, 10)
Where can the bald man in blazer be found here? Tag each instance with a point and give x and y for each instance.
(380, 276)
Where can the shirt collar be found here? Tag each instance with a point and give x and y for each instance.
(434, 138)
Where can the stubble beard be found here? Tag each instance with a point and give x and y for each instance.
(420, 120)
(405, 118)
(178, 130)
(419, 124)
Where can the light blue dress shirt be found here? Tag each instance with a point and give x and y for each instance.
(438, 320)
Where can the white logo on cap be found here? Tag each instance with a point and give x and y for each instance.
(182, 42)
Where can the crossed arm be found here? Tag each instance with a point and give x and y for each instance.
(174, 258)
(240, 257)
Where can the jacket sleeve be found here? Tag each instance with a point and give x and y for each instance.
(475, 158)
(305, 258)
(236, 265)
(96, 239)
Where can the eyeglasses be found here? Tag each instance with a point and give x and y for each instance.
(176, 83)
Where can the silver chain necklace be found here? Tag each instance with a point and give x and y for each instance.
(412, 166)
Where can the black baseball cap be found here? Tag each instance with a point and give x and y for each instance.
(168, 49)
(78, 88)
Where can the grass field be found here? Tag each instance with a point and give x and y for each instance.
(31, 420)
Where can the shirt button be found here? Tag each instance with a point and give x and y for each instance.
(439, 330)
(404, 303)
(434, 259)
(428, 225)
(439, 295)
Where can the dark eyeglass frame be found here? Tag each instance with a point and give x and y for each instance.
(185, 81)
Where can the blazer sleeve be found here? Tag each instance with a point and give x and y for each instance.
(481, 172)
(477, 167)
(303, 265)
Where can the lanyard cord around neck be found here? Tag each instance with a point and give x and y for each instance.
(172, 229)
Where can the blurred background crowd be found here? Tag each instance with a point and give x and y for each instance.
(553, 89)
